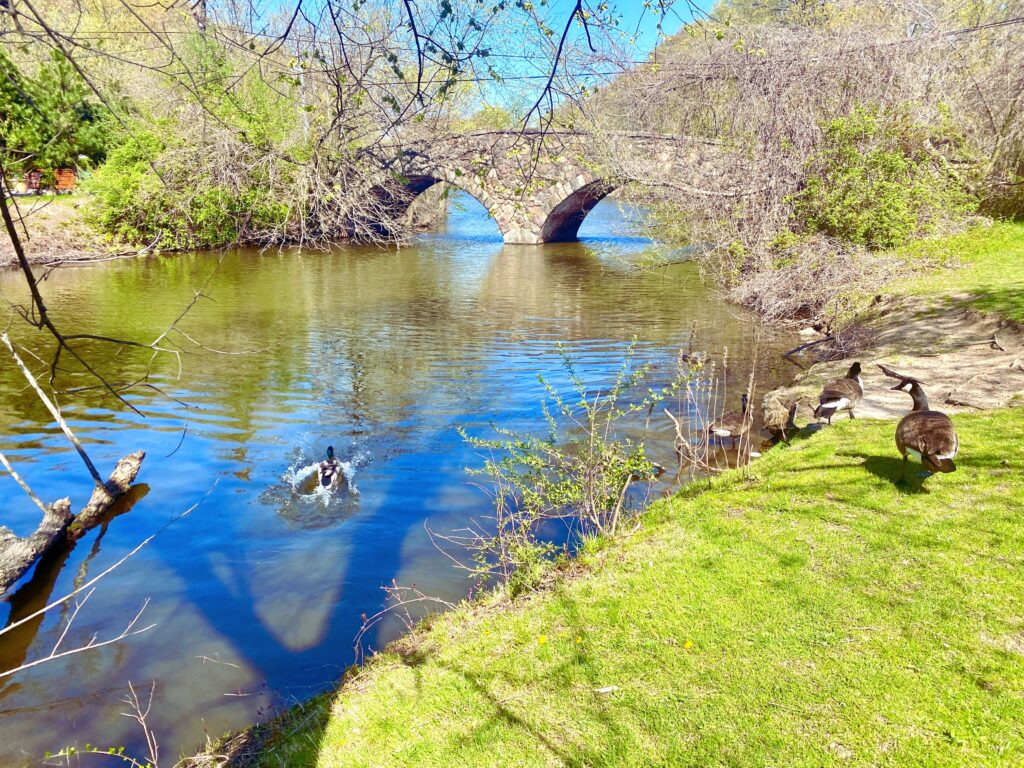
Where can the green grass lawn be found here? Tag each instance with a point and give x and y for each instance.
(990, 268)
(811, 614)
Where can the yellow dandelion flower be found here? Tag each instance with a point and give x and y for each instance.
(542, 639)
(688, 645)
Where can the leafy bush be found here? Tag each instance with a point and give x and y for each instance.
(148, 192)
(584, 476)
(133, 204)
(218, 166)
(880, 179)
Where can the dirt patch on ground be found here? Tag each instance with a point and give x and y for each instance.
(966, 360)
(52, 230)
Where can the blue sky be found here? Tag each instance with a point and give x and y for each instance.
(524, 60)
(634, 18)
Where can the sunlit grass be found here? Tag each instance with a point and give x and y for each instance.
(988, 265)
(811, 614)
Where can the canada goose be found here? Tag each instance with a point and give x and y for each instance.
(328, 473)
(925, 435)
(733, 424)
(841, 395)
(778, 415)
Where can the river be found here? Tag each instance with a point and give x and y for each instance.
(257, 594)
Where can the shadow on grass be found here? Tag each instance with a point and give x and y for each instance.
(892, 469)
(1007, 302)
(300, 735)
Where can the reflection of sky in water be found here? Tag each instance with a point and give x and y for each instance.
(258, 593)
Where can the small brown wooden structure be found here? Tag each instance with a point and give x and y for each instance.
(66, 179)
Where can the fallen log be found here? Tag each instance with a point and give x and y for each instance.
(117, 485)
(59, 526)
(18, 554)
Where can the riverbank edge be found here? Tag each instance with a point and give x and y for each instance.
(245, 748)
(259, 745)
(58, 233)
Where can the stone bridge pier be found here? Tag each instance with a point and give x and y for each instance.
(539, 187)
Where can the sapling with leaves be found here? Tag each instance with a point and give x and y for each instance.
(580, 471)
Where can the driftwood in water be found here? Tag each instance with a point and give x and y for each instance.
(117, 485)
(18, 554)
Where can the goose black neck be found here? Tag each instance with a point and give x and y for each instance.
(920, 398)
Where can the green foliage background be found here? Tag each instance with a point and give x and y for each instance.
(51, 119)
(879, 179)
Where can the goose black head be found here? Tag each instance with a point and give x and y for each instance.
(909, 386)
(854, 371)
(744, 399)
(916, 391)
(330, 451)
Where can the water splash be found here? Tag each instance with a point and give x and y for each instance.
(301, 477)
(302, 502)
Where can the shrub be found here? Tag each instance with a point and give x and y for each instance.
(583, 476)
(815, 279)
(133, 204)
(151, 191)
(880, 179)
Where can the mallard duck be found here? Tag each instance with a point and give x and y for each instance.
(925, 435)
(328, 474)
(733, 424)
(778, 414)
(840, 395)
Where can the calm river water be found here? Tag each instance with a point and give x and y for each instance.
(257, 594)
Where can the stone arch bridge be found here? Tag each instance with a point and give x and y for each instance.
(539, 186)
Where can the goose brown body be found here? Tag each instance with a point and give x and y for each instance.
(931, 435)
(926, 434)
(328, 472)
(840, 395)
(777, 415)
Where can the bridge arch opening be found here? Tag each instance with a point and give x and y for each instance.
(563, 222)
(416, 185)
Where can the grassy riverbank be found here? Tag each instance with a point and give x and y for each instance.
(54, 230)
(811, 613)
(987, 270)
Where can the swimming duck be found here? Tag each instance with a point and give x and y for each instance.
(329, 472)
(733, 424)
(925, 435)
(841, 395)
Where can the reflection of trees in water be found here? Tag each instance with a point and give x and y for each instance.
(568, 289)
(373, 325)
